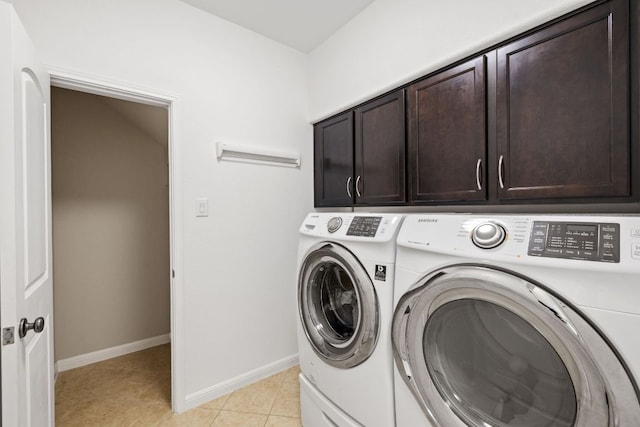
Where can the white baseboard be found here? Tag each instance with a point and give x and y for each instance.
(198, 398)
(108, 353)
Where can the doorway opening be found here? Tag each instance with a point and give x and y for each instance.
(113, 228)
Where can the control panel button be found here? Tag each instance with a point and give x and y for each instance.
(334, 224)
(635, 250)
(488, 235)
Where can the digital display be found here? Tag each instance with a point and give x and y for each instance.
(582, 228)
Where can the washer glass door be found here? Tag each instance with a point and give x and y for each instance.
(481, 346)
(338, 306)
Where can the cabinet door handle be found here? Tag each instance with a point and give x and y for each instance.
(500, 169)
(358, 185)
(349, 186)
(478, 166)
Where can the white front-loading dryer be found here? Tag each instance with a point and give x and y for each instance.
(521, 320)
(345, 304)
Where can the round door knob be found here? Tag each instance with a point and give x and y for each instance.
(25, 326)
(334, 224)
(488, 235)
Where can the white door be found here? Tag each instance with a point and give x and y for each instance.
(25, 229)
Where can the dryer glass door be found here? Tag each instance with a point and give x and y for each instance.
(338, 306)
(497, 367)
(482, 346)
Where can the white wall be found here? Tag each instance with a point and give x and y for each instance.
(395, 41)
(234, 86)
(110, 203)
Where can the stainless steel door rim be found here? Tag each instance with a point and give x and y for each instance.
(338, 306)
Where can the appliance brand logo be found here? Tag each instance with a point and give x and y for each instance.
(427, 219)
(381, 273)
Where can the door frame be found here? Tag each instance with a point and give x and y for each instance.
(74, 80)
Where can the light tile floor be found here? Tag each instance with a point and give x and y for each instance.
(135, 390)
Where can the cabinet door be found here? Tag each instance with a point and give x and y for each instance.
(562, 109)
(447, 135)
(380, 153)
(333, 161)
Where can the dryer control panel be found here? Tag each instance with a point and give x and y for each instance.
(575, 240)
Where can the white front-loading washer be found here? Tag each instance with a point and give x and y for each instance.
(345, 304)
(517, 320)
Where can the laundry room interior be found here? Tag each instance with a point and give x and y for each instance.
(380, 213)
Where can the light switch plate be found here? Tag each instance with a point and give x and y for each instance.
(202, 207)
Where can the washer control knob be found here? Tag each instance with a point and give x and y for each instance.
(334, 224)
(488, 235)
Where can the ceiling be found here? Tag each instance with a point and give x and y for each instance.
(300, 24)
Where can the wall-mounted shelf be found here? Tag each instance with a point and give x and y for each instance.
(258, 155)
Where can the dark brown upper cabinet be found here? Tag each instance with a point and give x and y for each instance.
(375, 175)
(447, 144)
(380, 151)
(562, 113)
(549, 116)
(333, 161)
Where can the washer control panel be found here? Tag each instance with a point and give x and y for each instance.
(360, 227)
(575, 240)
(364, 226)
